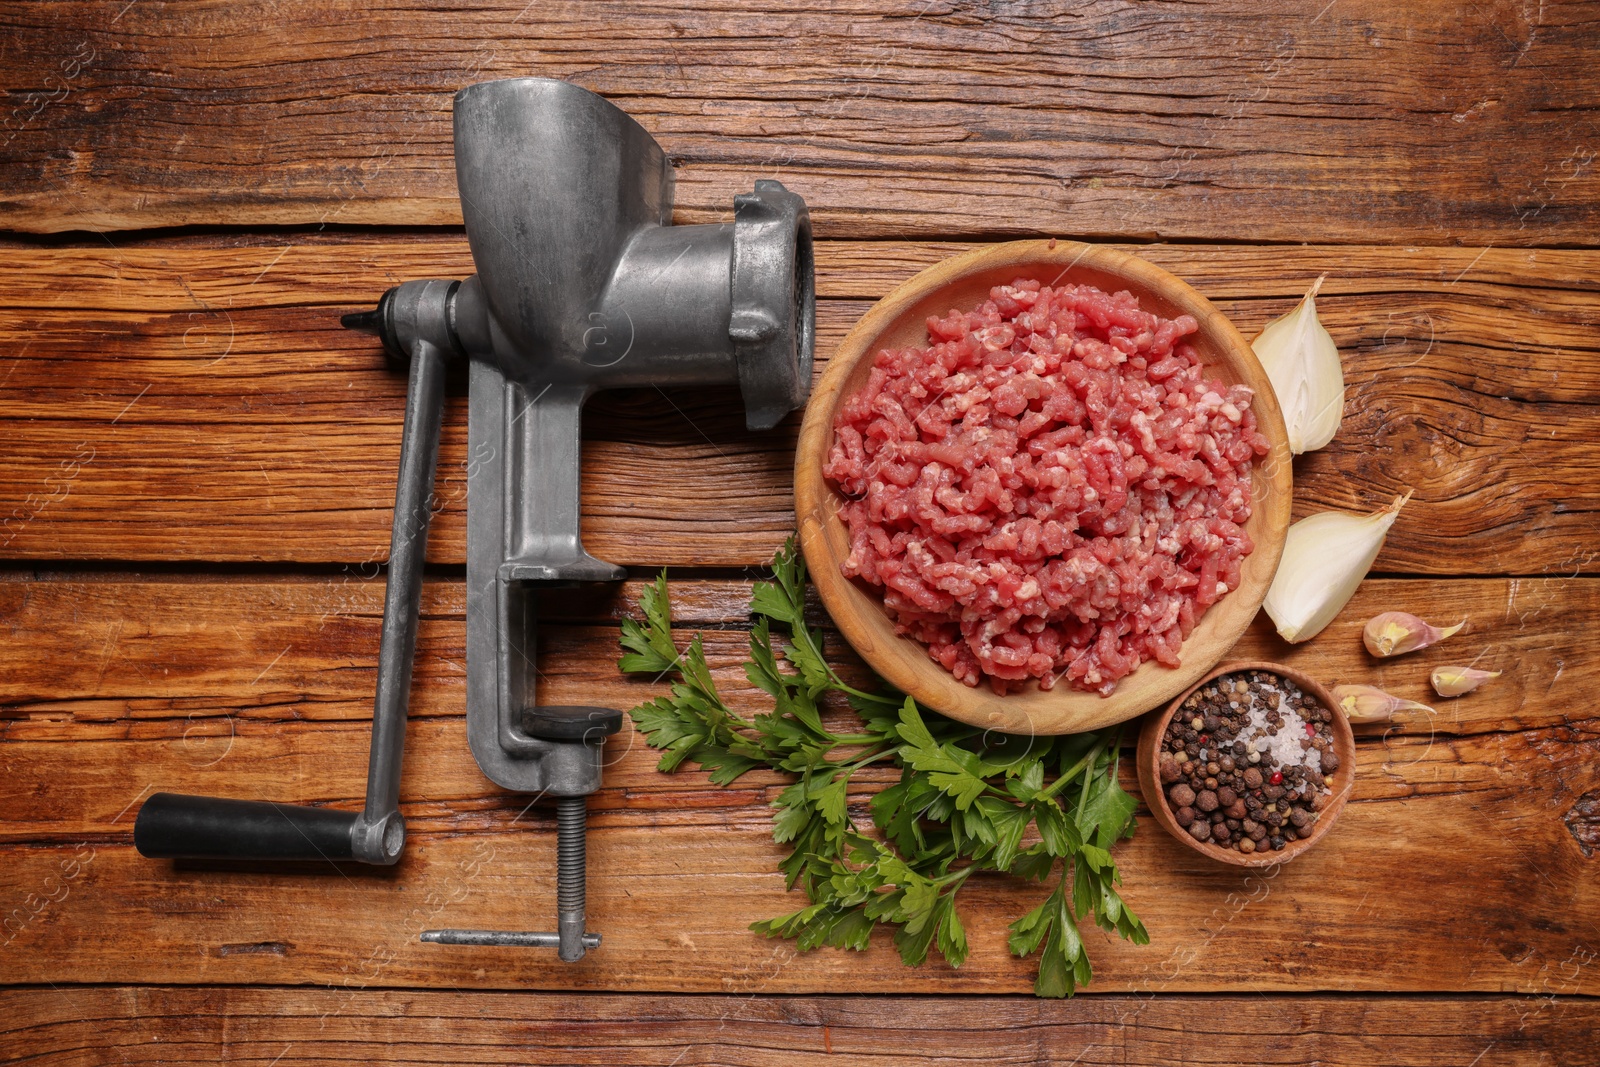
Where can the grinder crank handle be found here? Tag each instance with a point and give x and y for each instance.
(173, 825)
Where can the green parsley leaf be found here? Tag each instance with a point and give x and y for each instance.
(965, 803)
(650, 646)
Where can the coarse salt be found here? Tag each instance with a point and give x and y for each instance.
(1284, 746)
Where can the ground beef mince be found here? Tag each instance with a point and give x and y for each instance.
(1051, 489)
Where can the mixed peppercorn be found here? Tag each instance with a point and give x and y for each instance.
(1247, 762)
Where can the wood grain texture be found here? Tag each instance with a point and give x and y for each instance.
(176, 403)
(94, 657)
(1464, 839)
(1241, 119)
(193, 399)
(301, 1026)
(1475, 819)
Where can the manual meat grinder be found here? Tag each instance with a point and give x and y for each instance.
(583, 284)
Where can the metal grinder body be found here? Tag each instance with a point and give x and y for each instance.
(582, 284)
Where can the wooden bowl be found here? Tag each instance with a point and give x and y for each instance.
(899, 320)
(1155, 797)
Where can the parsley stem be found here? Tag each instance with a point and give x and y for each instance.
(1076, 769)
(958, 877)
(877, 698)
(864, 758)
(855, 739)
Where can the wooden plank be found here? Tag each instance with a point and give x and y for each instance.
(297, 1026)
(1239, 119)
(298, 268)
(117, 657)
(1479, 818)
(1467, 838)
(185, 685)
(194, 399)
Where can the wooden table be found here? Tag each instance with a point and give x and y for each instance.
(197, 466)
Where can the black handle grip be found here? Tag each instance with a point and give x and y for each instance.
(174, 825)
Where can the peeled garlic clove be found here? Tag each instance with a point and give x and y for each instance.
(1453, 681)
(1395, 632)
(1302, 362)
(1324, 559)
(1366, 704)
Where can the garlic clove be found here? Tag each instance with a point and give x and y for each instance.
(1324, 559)
(1363, 704)
(1394, 633)
(1454, 681)
(1302, 362)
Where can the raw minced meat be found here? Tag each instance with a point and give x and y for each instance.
(1051, 489)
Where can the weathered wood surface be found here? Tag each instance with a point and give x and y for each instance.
(195, 399)
(1480, 818)
(184, 683)
(175, 404)
(95, 647)
(1453, 870)
(1242, 118)
(289, 1027)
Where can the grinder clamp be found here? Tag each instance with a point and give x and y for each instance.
(582, 284)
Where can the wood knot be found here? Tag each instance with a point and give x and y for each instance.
(1583, 822)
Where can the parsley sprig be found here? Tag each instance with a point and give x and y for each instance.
(968, 801)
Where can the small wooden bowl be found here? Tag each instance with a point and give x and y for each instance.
(900, 320)
(1155, 797)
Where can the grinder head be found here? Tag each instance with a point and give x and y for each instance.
(583, 279)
